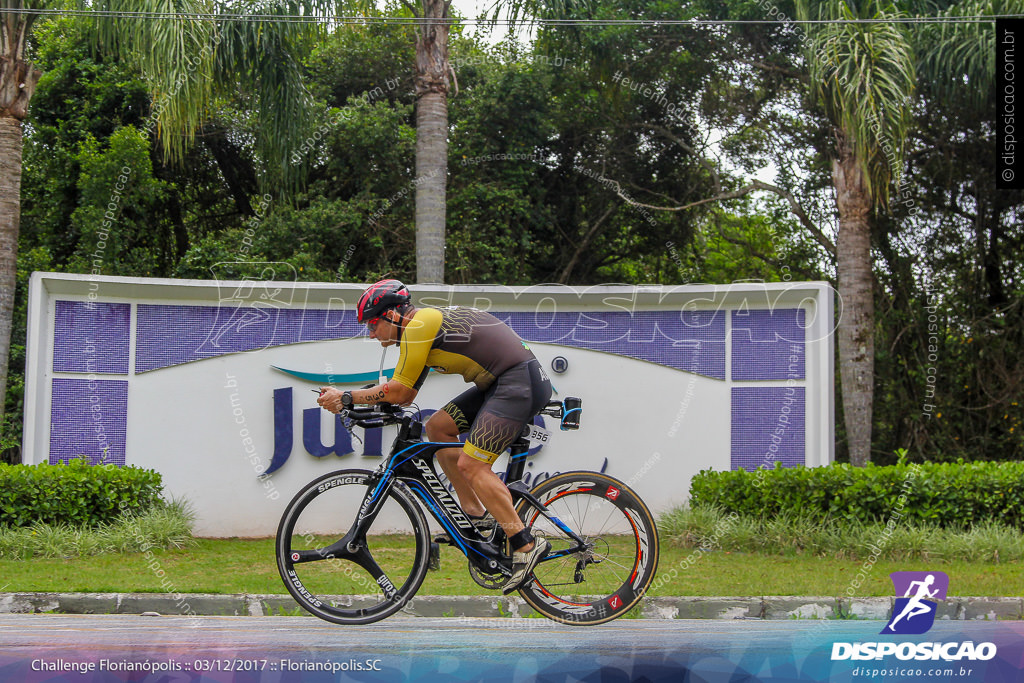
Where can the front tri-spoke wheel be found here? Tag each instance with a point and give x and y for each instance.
(346, 578)
(610, 573)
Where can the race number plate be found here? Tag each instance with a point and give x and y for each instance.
(536, 434)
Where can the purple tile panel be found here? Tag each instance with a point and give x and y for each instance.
(690, 341)
(91, 337)
(171, 335)
(768, 345)
(89, 418)
(767, 426)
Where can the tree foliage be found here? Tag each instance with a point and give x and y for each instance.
(556, 151)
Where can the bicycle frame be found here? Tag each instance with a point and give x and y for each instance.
(411, 464)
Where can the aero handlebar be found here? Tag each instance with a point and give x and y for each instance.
(382, 414)
(377, 416)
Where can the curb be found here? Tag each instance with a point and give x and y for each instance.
(513, 607)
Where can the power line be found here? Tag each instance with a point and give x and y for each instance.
(412, 21)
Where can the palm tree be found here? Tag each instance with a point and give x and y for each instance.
(863, 76)
(431, 85)
(191, 52)
(17, 84)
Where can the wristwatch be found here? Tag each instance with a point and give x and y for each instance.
(346, 399)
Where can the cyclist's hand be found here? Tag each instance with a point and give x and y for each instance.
(330, 399)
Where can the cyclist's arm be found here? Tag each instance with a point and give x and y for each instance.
(391, 391)
(417, 339)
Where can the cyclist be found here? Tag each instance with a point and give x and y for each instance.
(510, 388)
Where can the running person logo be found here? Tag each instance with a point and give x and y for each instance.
(914, 613)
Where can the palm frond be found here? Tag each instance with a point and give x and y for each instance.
(864, 75)
(958, 60)
(174, 55)
(519, 12)
(189, 62)
(261, 58)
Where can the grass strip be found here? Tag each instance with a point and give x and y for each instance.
(164, 525)
(790, 534)
(704, 552)
(248, 566)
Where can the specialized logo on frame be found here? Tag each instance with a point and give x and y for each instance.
(914, 612)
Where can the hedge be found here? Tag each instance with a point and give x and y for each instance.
(945, 494)
(74, 493)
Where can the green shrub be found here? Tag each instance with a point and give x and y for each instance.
(943, 494)
(74, 494)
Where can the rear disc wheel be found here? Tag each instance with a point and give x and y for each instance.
(611, 574)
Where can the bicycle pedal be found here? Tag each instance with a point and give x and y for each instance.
(434, 559)
(442, 539)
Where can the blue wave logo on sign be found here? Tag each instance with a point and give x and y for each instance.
(336, 378)
(914, 612)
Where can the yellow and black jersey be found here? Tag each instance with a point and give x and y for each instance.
(456, 340)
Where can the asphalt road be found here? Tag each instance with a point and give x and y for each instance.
(116, 648)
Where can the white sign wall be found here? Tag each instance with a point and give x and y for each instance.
(209, 382)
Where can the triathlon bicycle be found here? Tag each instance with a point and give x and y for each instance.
(604, 542)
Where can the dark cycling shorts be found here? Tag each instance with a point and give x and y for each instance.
(496, 417)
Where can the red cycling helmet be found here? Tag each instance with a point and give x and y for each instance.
(379, 297)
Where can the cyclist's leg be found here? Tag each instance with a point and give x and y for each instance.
(445, 426)
(517, 395)
(492, 492)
